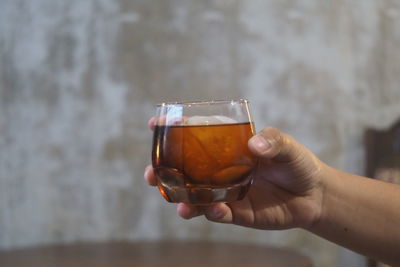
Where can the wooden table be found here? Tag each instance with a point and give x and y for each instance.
(146, 254)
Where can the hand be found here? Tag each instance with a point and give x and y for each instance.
(286, 192)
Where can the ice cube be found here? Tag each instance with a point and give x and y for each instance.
(225, 120)
(201, 120)
(209, 120)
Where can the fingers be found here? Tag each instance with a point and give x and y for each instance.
(149, 176)
(219, 212)
(156, 121)
(271, 143)
(166, 120)
(163, 120)
(187, 211)
(152, 122)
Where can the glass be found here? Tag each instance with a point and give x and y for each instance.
(200, 153)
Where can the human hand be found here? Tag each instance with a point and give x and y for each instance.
(286, 191)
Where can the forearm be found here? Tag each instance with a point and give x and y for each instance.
(361, 214)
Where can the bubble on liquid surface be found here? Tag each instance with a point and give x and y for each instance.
(209, 120)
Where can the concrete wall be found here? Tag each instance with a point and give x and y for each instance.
(80, 78)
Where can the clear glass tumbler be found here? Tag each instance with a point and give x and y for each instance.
(200, 153)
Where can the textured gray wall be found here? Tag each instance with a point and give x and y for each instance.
(79, 79)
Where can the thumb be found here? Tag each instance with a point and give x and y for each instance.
(274, 144)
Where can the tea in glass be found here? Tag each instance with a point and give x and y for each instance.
(200, 153)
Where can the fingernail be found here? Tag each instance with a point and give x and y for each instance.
(216, 212)
(260, 144)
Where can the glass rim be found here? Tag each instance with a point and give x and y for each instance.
(200, 102)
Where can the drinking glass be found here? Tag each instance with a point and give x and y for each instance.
(200, 153)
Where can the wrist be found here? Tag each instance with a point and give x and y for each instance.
(320, 197)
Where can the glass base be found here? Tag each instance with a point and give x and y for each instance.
(203, 195)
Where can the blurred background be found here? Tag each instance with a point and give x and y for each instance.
(80, 78)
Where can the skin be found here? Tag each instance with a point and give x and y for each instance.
(293, 188)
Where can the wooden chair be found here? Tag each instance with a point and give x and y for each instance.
(383, 158)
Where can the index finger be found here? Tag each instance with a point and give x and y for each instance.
(156, 120)
(164, 120)
(149, 176)
(151, 123)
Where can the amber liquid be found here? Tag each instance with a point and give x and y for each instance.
(203, 164)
